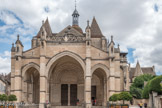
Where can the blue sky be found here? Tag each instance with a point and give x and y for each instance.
(136, 25)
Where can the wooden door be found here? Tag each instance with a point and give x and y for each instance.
(73, 94)
(64, 94)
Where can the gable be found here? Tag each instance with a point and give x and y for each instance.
(69, 30)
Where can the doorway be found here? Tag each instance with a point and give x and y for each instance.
(73, 94)
(64, 94)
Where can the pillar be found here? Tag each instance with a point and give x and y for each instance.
(105, 92)
(88, 83)
(18, 79)
(42, 82)
(68, 94)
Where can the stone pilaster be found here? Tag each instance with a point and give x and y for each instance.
(105, 92)
(88, 75)
(12, 72)
(43, 77)
(18, 79)
(112, 78)
(127, 79)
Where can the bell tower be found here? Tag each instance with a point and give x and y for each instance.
(75, 16)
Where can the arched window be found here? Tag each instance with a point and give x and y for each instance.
(111, 49)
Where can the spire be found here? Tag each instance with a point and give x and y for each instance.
(87, 25)
(75, 4)
(18, 41)
(95, 29)
(75, 16)
(47, 27)
(138, 70)
(13, 48)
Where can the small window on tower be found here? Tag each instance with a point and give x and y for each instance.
(17, 49)
(111, 49)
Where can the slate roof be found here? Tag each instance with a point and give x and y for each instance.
(145, 70)
(6, 79)
(18, 41)
(95, 30)
(47, 27)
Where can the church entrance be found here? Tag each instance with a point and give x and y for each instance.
(98, 88)
(73, 94)
(31, 86)
(64, 94)
(66, 83)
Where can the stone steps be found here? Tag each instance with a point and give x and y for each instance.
(75, 107)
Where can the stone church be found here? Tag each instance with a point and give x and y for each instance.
(70, 68)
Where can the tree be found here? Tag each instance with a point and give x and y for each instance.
(145, 93)
(1, 98)
(12, 98)
(4, 97)
(114, 97)
(136, 89)
(152, 85)
(125, 96)
(155, 84)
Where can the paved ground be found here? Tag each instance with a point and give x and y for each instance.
(134, 106)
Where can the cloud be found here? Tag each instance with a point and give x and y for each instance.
(5, 61)
(135, 24)
(8, 18)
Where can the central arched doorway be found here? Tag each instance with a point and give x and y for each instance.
(66, 82)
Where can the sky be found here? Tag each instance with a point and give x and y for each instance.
(135, 24)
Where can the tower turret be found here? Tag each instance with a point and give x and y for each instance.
(75, 16)
(19, 46)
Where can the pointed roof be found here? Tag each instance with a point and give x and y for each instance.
(138, 70)
(95, 29)
(47, 27)
(13, 48)
(18, 41)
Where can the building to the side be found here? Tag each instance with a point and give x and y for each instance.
(5, 84)
(69, 67)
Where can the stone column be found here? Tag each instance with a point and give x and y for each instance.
(43, 77)
(68, 94)
(88, 92)
(18, 79)
(42, 82)
(105, 92)
(112, 78)
(12, 73)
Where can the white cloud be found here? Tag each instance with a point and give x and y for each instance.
(134, 24)
(5, 62)
(8, 18)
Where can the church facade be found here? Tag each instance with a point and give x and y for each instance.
(69, 68)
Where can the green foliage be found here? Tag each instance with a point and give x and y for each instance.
(155, 84)
(1, 97)
(145, 93)
(12, 97)
(152, 85)
(136, 88)
(114, 97)
(136, 92)
(125, 96)
(4, 97)
(139, 80)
